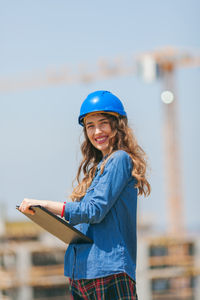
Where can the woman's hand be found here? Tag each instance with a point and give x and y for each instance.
(53, 206)
(27, 203)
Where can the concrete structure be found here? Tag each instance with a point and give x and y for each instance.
(31, 265)
(168, 268)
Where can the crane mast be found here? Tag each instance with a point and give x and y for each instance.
(172, 154)
(162, 65)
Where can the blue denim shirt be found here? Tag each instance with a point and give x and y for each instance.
(106, 214)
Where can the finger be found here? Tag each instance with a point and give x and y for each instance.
(27, 210)
(24, 207)
(30, 211)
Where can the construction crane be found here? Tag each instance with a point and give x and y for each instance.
(65, 75)
(160, 64)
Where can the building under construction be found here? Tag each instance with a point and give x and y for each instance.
(31, 265)
(168, 267)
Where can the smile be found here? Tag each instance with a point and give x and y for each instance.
(101, 140)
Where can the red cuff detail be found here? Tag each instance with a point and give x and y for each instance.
(63, 210)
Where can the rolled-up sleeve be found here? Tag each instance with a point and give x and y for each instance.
(100, 198)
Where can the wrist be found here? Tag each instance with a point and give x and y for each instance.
(63, 210)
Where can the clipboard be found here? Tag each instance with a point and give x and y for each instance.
(56, 226)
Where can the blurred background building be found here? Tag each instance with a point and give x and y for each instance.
(31, 265)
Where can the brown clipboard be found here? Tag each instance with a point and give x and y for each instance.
(56, 226)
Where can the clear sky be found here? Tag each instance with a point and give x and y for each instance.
(39, 134)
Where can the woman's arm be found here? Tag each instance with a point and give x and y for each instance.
(99, 200)
(53, 206)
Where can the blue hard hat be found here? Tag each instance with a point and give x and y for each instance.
(101, 101)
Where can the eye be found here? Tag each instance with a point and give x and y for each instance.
(105, 122)
(89, 126)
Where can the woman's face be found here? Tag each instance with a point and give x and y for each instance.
(99, 132)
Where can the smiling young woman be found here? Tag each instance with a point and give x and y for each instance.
(99, 132)
(104, 203)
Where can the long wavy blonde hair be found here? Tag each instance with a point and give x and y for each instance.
(123, 139)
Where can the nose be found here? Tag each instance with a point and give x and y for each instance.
(97, 130)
